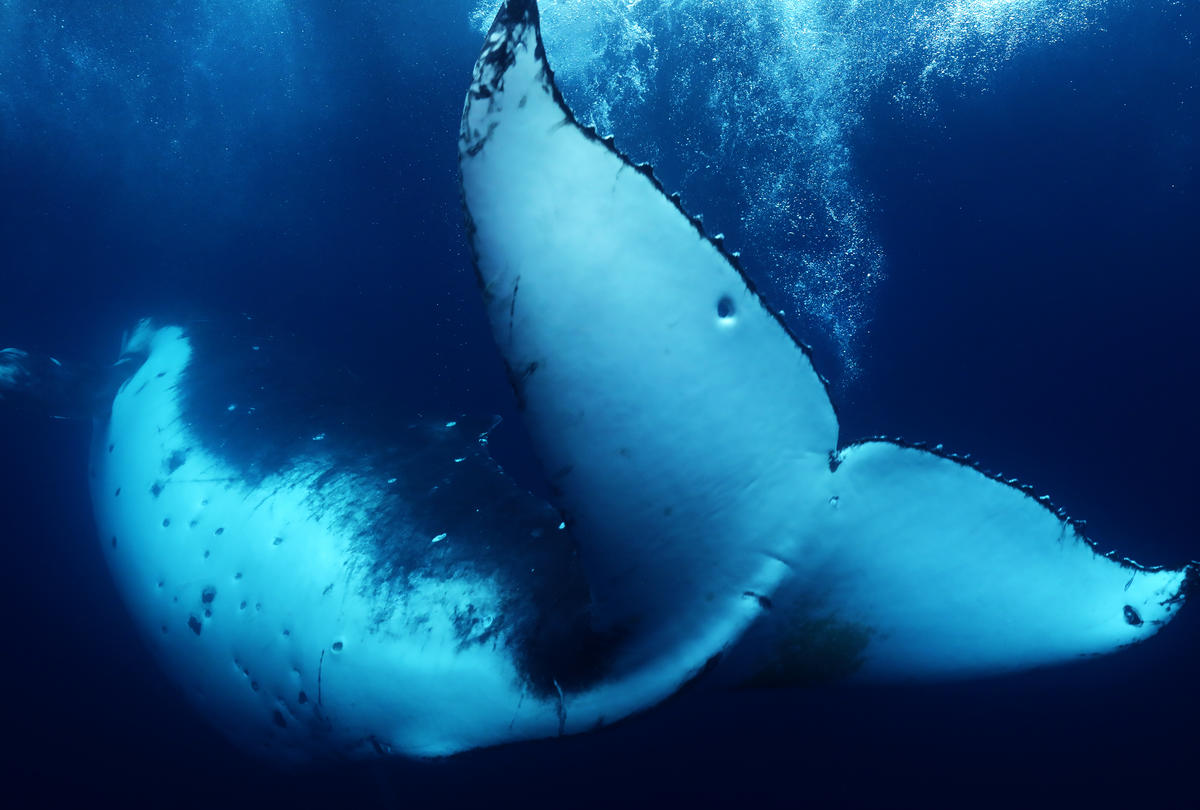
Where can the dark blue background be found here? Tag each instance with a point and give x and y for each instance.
(1040, 313)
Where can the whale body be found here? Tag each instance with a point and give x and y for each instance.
(316, 586)
(324, 581)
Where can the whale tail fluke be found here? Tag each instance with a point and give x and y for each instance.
(693, 447)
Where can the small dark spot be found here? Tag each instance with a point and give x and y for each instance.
(110, 448)
(207, 614)
(238, 575)
(725, 307)
(220, 531)
(160, 583)
(166, 522)
(258, 605)
(1132, 617)
(175, 460)
(117, 494)
(193, 523)
(303, 698)
(254, 685)
(160, 375)
(278, 541)
(206, 553)
(156, 490)
(763, 601)
(337, 646)
(114, 541)
(287, 632)
(242, 606)
(279, 721)
(164, 629)
(328, 588)
(208, 595)
(194, 623)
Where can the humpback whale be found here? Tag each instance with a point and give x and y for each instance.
(315, 587)
(322, 581)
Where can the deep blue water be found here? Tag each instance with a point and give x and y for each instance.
(1038, 232)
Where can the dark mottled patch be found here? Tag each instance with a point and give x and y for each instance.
(194, 623)
(208, 595)
(472, 627)
(220, 531)
(166, 522)
(156, 489)
(763, 602)
(175, 460)
(277, 716)
(1132, 617)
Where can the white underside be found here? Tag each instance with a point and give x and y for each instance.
(293, 602)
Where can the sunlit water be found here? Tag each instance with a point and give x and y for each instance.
(761, 100)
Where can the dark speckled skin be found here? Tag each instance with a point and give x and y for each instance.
(442, 480)
(261, 407)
